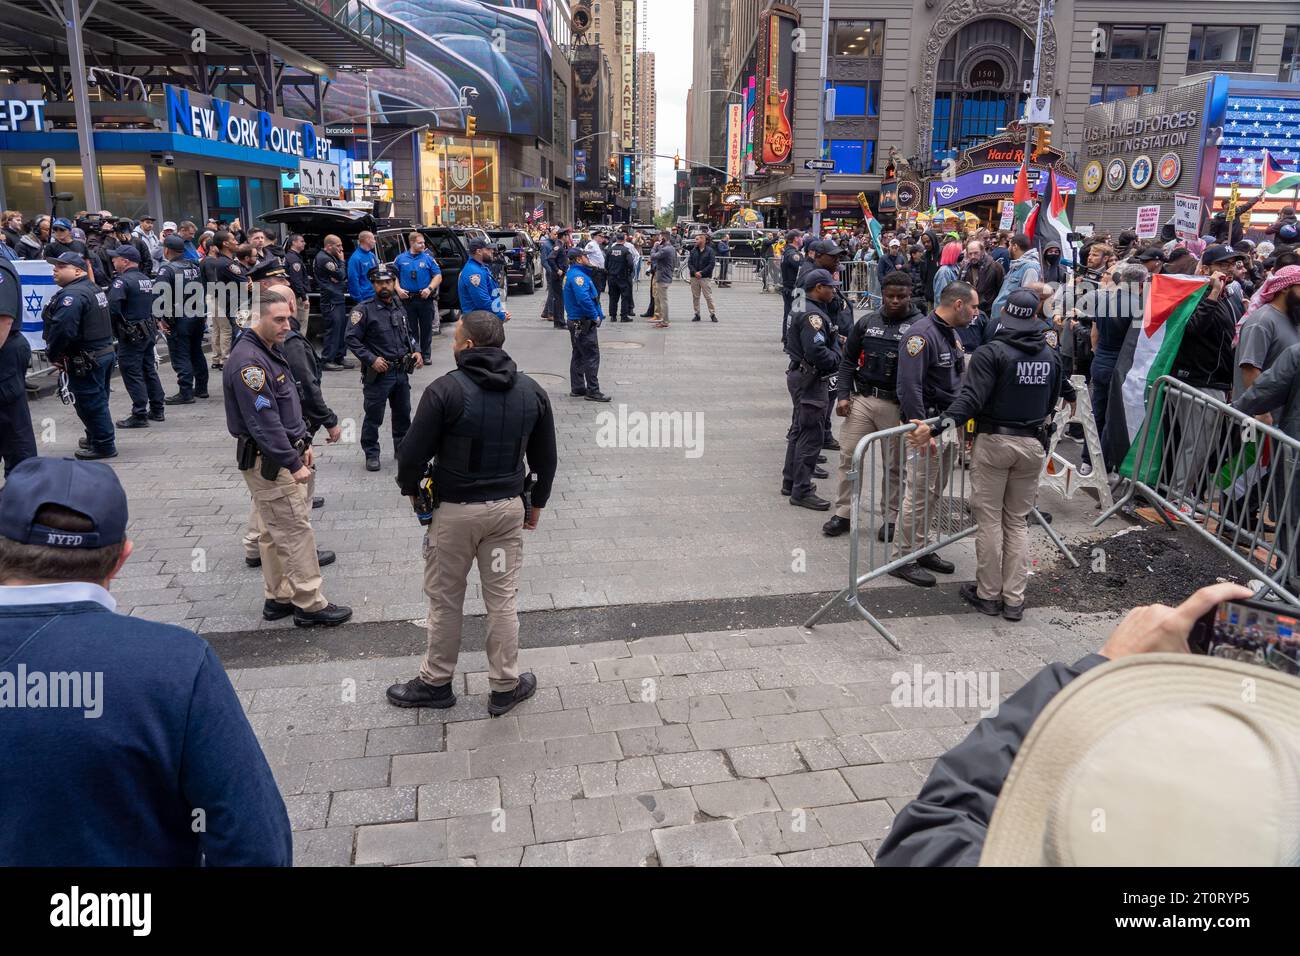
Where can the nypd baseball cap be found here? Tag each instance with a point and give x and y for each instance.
(68, 259)
(1020, 309)
(129, 253)
(89, 488)
(61, 224)
(819, 277)
(174, 243)
(476, 244)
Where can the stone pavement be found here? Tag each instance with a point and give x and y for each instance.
(776, 747)
(625, 525)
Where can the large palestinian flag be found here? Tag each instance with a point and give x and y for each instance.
(1170, 303)
(1276, 179)
(1051, 224)
(873, 224)
(1022, 199)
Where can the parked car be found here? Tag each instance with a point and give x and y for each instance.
(523, 260)
(745, 243)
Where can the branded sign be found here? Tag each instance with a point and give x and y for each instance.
(218, 121)
(733, 141)
(777, 90)
(907, 195)
(14, 113)
(586, 97)
(981, 184)
(629, 73)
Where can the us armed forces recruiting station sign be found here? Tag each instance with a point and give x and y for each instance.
(1140, 151)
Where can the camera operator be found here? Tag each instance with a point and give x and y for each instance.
(479, 424)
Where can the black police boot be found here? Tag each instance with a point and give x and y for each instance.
(573, 393)
(419, 693)
(331, 615)
(821, 459)
(331, 367)
(885, 532)
(712, 317)
(697, 317)
(811, 502)
(970, 594)
(200, 394)
(821, 473)
(502, 702)
(372, 464)
(133, 421)
(253, 562)
(912, 574)
(158, 416)
(831, 444)
(598, 397)
(325, 558)
(626, 318)
(91, 454)
(179, 399)
(276, 610)
(932, 562)
(83, 443)
(317, 502)
(1013, 612)
(786, 490)
(836, 527)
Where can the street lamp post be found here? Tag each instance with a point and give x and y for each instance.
(821, 117)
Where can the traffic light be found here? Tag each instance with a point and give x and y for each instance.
(613, 163)
(1042, 140)
(428, 140)
(819, 202)
(471, 125)
(677, 161)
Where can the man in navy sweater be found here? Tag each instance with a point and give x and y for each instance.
(124, 743)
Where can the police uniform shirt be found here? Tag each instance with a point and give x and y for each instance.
(330, 275)
(296, 272)
(811, 338)
(261, 399)
(929, 368)
(871, 353)
(414, 273)
(477, 289)
(16, 353)
(581, 298)
(130, 297)
(618, 264)
(791, 258)
(376, 330)
(78, 321)
(180, 280)
(228, 270)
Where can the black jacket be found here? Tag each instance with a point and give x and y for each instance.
(1204, 357)
(305, 365)
(441, 407)
(993, 394)
(866, 363)
(702, 261)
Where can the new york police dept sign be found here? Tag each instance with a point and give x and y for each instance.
(205, 117)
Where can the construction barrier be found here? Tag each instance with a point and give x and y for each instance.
(1222, 474)
(927, 522)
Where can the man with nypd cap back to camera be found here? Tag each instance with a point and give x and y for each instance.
(380, 335)
(930, 365)
(130, 303)
(1011, 389)
(273, 450)
(814, 347)
(476, 288)
(485, 426)
(79, 341)
(867, 397)
(791, 260)
(584, 314)
(183, 313)
(825, 254)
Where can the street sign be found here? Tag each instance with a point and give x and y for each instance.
(316, 178)
(825, 165)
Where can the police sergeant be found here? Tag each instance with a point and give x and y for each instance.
(814, 347)
(130, 305)
(477, 288)
(380, 336)
(1011, 389)
(867, 397)
(584, 314)
(79, 340)
(930, 366)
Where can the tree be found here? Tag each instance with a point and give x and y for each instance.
(665, 218)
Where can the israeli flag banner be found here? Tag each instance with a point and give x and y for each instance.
(38, 287)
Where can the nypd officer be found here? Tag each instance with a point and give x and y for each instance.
(17, 439)
(1011, 390)
(867, 397)
(826, 254)
(130, 304)
(476, 288)
(181, 309)
(418, 280)
(332, 281)
(380, 335)
(929, 373)
(295, 271)
(791, 260)
(618, 272)
(79, 340)
(814, 349)
(582, 308)
(274, 453)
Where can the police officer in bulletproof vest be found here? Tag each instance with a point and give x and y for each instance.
(930, 365)
(582, 308)
(130, 305)
(486, 426)
(79, 341)
(181, 309)
(867, 398)
(380, 335)
(273, 451)
(618, 271)
(332, 281)
(814, 347)
(1011, 389)
(791, 260)
(17, 439)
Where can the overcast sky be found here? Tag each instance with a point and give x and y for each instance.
(670, 34)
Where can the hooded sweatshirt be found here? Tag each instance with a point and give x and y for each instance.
(445, 403)
(1022, 272)
(985, 395)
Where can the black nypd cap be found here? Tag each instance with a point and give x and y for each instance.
(476, 244)
(381, 273)
(127, 252)
(818, 277)
(68, 259)
(174, 242)
(87, 487)
(1020, 310)
(826, 247)
(1151, 254)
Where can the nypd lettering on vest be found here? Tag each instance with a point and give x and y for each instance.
(1033, 373)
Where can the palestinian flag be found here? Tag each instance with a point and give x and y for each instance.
(1023, 200)
(873, 224)
(1170, 303)
(1052, 224)
(1276, 179)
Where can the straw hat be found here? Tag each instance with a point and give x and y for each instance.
(1157, 760)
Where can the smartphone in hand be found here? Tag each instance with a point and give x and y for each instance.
(1255, 632)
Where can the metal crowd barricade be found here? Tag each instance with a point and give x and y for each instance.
(1224, 475)
(860, 283)
(948, 521)
(742, 270)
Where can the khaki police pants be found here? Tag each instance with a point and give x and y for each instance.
(490, 532)
(222, 336)
(698, 285)
(285, 540)
(253, 536)
(659, 292)
(919, 521)
(1004, 481)
(867, 414)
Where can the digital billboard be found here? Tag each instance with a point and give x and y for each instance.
(501, 50)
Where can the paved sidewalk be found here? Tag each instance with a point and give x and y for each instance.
(625, 525)
(776, 747)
